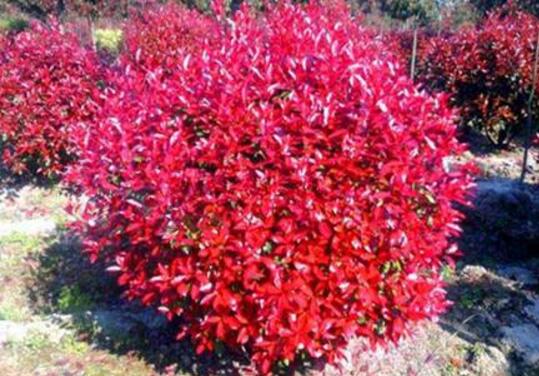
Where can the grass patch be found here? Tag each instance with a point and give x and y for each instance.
(22, 242)
(36, 341)
(12, 312)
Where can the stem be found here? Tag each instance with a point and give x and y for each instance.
(530, 115)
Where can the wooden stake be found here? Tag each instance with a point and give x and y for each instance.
(530, 115)
(414, 53)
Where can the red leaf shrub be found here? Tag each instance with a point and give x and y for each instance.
(401, 42)
(48, 83)
(488, 71)
(158, 36)
(281, 189)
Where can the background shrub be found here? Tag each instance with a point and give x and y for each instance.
(488, 71)
(423, 11)
(485, 6)
(37, 8)
(48, 84)
(159, 37)
(281, 187)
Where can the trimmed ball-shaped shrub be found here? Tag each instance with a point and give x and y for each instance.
(281, 191)
(48, 84)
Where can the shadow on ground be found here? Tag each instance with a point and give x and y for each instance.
(11, 184)
(476, 141)
(84, 297)
(502, 225)
(495, 277)
(485, 304)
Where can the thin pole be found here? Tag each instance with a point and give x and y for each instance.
(530, 115)
(414, 54)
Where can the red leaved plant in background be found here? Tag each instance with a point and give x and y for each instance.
(487, 70)
(282, 187)
(158, 37)
(48, 83)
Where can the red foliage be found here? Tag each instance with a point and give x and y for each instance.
(157, 37)
(282, 189)
(400, 43)
(48, 83)
(488, 71)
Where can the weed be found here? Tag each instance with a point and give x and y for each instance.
(72, 299)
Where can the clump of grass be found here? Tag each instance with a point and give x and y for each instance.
(109, 40)
(72, 345)
(36, 340)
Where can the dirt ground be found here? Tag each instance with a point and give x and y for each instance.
(60, 316)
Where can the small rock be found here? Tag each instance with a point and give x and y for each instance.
(10, 331)
(17, 331)
(28, 227)
(525, 339)
(473, 272)
(521, 275)
(111, 322)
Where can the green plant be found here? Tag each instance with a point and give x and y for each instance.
(12, 24)
(471, 298)
(109, 40)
